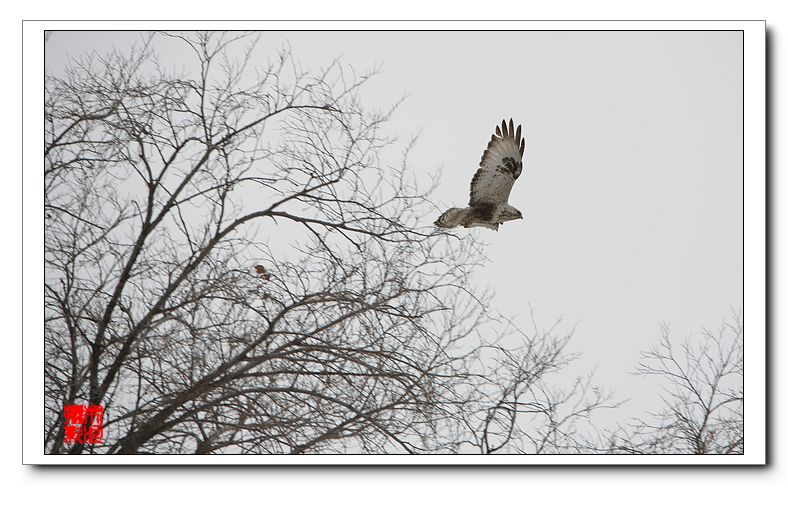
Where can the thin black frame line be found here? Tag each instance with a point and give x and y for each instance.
(344, 30)
(426, 454)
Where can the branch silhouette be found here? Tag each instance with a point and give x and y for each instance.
(233, 265)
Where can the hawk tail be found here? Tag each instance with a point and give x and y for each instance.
(452, 217)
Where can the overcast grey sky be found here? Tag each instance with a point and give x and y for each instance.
(632, 183)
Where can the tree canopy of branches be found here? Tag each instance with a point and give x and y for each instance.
(233, 267)
(703, 396)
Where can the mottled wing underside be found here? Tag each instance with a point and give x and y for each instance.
(501, 165)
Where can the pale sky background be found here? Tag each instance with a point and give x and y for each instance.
(632, 182)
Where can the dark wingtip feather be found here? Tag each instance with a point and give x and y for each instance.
(503, 128)
(519, 131)
(497, 131)
(511, 127)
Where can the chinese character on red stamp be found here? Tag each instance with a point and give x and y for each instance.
(84, 424)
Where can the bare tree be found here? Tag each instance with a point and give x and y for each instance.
(517, 409)
(233, 266)
(703, 402)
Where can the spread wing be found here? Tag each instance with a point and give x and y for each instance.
(501, 165)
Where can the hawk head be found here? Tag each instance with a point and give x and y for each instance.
(509, 213)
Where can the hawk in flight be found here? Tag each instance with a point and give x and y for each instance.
(501, 165)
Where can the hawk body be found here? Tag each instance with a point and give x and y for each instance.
(499, 168)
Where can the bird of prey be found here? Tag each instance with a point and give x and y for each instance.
(501, 165)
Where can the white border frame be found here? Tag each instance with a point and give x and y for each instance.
(754, 246)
